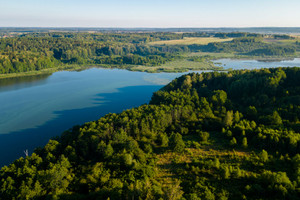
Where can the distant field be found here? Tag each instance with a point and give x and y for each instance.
(190, 40)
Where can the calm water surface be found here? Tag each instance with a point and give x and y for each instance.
(254, 64)
(34, 109)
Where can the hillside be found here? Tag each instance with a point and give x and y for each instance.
(207, 136)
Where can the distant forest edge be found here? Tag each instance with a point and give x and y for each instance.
(46, 50)
(204, 136)
(262, 30)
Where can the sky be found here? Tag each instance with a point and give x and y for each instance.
(149, 13)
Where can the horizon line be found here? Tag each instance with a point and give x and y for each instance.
(148, 27)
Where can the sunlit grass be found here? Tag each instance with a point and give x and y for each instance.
(180, 65)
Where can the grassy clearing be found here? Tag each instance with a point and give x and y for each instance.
(190, 40)
(180, 65)
(169, 162)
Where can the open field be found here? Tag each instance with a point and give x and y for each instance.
(190, 40)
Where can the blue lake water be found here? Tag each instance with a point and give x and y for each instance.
(34, 109)
(254, 64)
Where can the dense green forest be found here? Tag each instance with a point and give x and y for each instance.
(46, 50)
(38, 51)
(207, 136)
(248, 46)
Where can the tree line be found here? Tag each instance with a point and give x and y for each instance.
(37, 51)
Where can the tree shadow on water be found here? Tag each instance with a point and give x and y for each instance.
(12, 145)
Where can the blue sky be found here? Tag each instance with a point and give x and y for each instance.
(150, 13)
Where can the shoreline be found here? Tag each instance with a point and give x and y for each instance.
(104, 66)
(156, 69)
(44, 71)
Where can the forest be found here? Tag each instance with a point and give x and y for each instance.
(45, 50)
(209, 136)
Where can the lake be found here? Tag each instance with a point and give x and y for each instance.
(254, 64)
(34, 109)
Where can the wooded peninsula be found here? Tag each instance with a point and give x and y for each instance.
(207, 136)
(214, 135)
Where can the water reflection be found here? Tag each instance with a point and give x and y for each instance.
(8, 84)
(236, 64)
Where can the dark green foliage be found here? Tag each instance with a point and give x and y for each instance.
(273, 51)
(39, 51)
(233, 142)
(264, 156)
(244, 142)
(176, 142)
(239, 45)
(248, 45)
(213, 135)
(237, 35)
(285, 37)
(203, 136)
(162, 139)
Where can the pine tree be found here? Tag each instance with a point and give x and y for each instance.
(176, 142)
